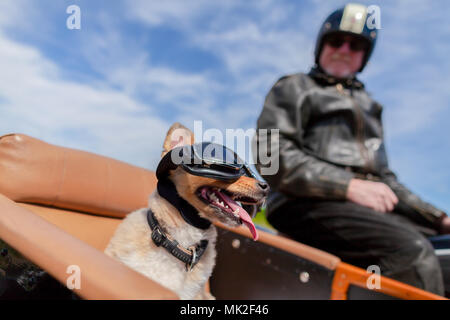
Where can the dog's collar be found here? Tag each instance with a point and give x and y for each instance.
(167, 190)
(189, 256)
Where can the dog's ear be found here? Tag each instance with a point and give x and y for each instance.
(178, 135)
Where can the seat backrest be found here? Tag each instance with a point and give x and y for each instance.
(33, 171)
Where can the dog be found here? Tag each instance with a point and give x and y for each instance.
(184, 218)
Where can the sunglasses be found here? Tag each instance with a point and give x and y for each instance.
(337, 40)
(206, 159)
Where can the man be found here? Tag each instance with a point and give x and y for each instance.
(334, 189)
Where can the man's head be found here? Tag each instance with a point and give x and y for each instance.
(345, 42)
(342, 55)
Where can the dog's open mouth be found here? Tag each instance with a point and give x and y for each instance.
(227, 203)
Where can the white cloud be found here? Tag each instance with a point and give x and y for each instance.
(408, 66)
(36, 101)
(12, 12)
(246, 37)
(176, 13)
(248, 47)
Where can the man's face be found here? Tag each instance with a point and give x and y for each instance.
(342, 55)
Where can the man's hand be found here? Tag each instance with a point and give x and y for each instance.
(375, 195)
(445, 226)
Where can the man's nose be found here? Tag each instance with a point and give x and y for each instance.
(344, 48)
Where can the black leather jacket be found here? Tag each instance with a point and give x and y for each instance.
(330, 132)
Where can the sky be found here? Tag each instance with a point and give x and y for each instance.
(116, 85)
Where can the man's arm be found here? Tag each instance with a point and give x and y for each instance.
(299, 174)
(415, 208)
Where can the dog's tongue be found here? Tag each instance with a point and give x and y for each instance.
(245, 217)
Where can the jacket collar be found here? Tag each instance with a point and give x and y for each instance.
(324, 79)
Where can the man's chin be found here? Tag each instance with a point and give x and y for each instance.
(339, 72)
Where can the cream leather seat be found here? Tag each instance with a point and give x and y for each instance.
(59, 207)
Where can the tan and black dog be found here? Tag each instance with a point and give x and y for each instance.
(172, 247)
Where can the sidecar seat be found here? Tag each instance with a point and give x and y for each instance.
(59, 207)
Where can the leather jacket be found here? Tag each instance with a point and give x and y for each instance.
(330, 131)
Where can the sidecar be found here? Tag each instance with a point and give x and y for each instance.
(60, 206)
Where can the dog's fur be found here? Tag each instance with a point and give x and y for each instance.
(132, 244)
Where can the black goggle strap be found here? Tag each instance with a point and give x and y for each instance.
(168, 191)
(165, 165)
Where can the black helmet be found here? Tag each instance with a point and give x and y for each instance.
(352, 19)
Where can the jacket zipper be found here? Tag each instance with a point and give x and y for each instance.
(360, 134)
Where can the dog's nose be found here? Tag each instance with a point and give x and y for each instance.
(264, 186)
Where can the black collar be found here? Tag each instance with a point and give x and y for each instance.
(189, 256)
(324, 79)
(167, 190)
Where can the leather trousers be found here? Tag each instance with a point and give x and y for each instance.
(363, 237)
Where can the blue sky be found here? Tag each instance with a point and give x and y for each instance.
(115, 86)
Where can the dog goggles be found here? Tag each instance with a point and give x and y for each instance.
(207, 159)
